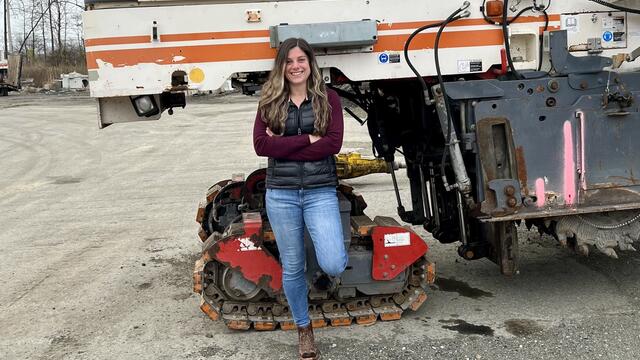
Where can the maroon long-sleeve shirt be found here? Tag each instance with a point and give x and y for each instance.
(299, 147)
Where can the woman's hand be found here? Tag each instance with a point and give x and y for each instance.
(314, 138)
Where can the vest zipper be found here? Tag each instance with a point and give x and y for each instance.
(298, 111)
(300, 164)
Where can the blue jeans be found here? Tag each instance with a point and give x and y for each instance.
(289, 211)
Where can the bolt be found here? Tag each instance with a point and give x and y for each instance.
(554, 86)
(393, 267)
(386, 256)
(385, 274)
(512, 202)
(510, 190)
(584, 85)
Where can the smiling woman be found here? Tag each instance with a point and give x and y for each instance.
(295, 76)
(297, 68)
(299, 126)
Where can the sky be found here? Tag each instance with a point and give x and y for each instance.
(16, 22)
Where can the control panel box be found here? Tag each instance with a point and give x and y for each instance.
(595, 30)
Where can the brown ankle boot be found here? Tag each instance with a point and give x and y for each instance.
(306, 344)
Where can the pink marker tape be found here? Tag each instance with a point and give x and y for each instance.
(569, 166)
(540, 192)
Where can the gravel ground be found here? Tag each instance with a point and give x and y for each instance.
(99, 241)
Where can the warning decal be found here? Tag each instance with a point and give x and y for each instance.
(468, 66)
(247, 245)
(399, 239)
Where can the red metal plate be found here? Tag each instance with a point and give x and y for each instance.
(244, 254)
(394, 249)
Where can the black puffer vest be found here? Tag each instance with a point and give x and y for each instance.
(291, 174)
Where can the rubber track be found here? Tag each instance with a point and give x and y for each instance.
(271, 314)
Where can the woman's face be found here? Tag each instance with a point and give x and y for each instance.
(297, 69)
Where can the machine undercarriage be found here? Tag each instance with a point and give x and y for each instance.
(550, 149)
(239, 276)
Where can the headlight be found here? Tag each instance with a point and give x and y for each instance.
(145, 105)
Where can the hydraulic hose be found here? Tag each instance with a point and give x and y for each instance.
(505, 34)
(423, 84)
(436, 49)
(535, 7)
(541, 47)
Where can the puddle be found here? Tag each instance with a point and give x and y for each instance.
(465, 328)
(522, 327)
(460, 287)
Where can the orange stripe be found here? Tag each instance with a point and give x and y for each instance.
(118, 40)
(452, 39)
(265, 33)
(259, 51)
(215, 35)
(417, 24)
(191, 54)
(461, 22)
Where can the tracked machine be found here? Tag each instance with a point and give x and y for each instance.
(505, 112)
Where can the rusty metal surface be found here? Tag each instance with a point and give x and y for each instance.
(572, 145)
(599, 200)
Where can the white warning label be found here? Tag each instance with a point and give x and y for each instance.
(247, 245)
(570, 23)
(468, 66)
(399, 239)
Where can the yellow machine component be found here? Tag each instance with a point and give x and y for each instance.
(352, 165)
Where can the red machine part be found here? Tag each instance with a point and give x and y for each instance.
(394, 249)
(245, 254)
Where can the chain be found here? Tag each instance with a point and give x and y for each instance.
(610, 227)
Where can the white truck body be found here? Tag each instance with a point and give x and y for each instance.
(212, 40)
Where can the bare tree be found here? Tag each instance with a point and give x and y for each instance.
(44, 38)
(53, 47)
(49, 36)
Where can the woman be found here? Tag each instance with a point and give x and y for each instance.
(299, 126)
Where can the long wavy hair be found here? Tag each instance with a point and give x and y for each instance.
(274, 100)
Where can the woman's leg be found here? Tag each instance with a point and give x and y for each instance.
(284, 208)
(322, 216)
